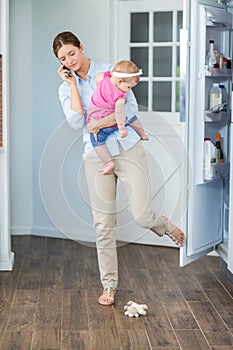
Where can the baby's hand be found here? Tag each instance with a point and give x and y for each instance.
(123, 132)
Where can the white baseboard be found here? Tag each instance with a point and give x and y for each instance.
(21, 231)
(7, 265)
(41, 231)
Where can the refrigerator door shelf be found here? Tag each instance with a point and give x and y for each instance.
(219, 73)
(219, 170)
(223, 116)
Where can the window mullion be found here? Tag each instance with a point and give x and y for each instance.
(150, 68)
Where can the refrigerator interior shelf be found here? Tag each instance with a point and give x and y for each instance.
(219, 73)
(223, 116)
(218, 170)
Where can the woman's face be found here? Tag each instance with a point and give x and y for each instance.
(71, 56)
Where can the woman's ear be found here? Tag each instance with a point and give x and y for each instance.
(81, 47)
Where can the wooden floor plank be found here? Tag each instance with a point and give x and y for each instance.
(192, 339)
(223, 303)
(106, 338)
(75, 340)
(36, 247)
(162, 337)
(129, 339)
(177, 310)
(23, 311)
(17, 340)
(52, 274)
(4, 314)
(211, 324)
(30, 274)
(188, 285)
(47, 339)
(75, 316)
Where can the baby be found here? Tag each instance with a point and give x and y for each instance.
(109, 97)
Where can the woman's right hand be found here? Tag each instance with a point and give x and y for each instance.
(64, 75)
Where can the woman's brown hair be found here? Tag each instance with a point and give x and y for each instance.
(64, 38)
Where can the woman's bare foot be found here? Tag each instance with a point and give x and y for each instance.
(174, 233)
(108, 167)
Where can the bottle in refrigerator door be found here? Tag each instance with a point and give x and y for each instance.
(211, 56)
(215, 96)
(218, 149)
(224, 93)
(209, 158)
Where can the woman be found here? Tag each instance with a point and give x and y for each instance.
(127, 153)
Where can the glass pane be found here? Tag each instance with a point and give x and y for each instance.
(162, 62)
(139, 27)
(179, 24)
(178, 96)
(162, 93)
(141, 93)
(140, 57)
(162, 26)
(178, 61)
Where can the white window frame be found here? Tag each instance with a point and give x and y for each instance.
(118, 48)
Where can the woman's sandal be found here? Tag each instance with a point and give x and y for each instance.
(107, 298)
(180, 241)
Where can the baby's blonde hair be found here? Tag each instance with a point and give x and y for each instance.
(127, 67)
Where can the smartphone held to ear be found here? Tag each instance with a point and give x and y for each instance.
(68, 71)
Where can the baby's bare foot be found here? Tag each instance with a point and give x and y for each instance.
(144, 137)
(108, 167)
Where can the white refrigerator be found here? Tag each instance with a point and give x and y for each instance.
(209, 218)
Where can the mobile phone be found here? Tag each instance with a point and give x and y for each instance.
(69, 74)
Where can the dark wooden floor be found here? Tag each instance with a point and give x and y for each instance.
(49, 301)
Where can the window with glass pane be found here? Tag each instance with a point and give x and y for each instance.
(141, 93)
(140, 55)
(162, 62)
(177, 96)
(179, 24)
(162, 96)
(162, 26)
(139, 27)
(178, 61)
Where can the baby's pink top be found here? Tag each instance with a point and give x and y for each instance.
(104, 98)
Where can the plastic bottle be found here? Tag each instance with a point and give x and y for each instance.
(224, 93)
(218, 149)
(209, 158)
(215, 95)
(211, 57)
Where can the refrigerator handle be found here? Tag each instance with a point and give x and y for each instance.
(184, 61)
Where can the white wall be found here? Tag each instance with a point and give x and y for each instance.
(35, 112)
(21, 115)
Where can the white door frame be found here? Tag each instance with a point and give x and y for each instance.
(6, 256)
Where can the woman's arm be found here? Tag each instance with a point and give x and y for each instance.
(76, 103)
(95, 125)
